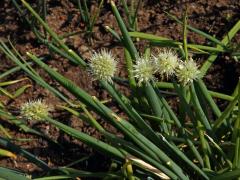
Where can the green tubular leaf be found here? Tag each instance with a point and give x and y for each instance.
(215, 145)
(199, 110)
(22, 125)
(128, 129)
(204, 145)
(221, 95)
(73, 174)
(155, 104)
(6, 153)
(155, 163)
(156, 119)
(142, 125)
(81, 11)
(116, 141)
(211, 38)
(10, 71)
(95, 16)
(6, 83)
(124, 3)
(80, 173)
(20, 91)
(31, 72)
(16, 149)
(6, 93)
(184, 102)
(86, 98)
(114, 33)
(236, 136)
(227, 38)
(225, 113)
(133, 24)
(89, 140)
(175, 149)
(86, 11)
(126, 38)
(237, 154)
(228, 175)
(8, 174)
(167, 85)
(192, 116)
(54, 35)
(87, 117)
(131, 112)
(185, 35)
(62, 53)
(13, 120)
(208, 97)
(155, 40)
(129, 68)
(131, 132)
(182, 131)
(5, 132)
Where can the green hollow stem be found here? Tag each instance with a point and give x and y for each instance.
(120, 143)
(155, 104)
(114, 33)
(129, 170)
(6, 174)
(89, 140)
(203, 145)
(31, 73)
(95, 16)
(225, 113)
(159, 40)
(228, 175)
(127, 128)
(208, 97)
(227, 38)
(167, 85)
(131, 112)
(199, 110)
(211, 38)
(16, 149)
(236, 137)
(185, 35)
(175, 149)
(144, 126)
(129, 68)
(126, 38)
(182, 130)
(22, 125)
(155, 163)
(54, 35)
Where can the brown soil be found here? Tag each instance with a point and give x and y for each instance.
(215, 17)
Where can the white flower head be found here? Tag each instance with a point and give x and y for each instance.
(144, 70)
(187, 72)
(166, 62)
(103, 65)
(34, 110)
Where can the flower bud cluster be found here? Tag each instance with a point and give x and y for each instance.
(35, 110)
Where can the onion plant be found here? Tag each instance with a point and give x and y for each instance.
(200, 141)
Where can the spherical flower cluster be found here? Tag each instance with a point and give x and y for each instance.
(166, 62)
(187, 72)
(103, 65)
(34, 110)
(144, 70)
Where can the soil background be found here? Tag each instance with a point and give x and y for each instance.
(215, 17)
